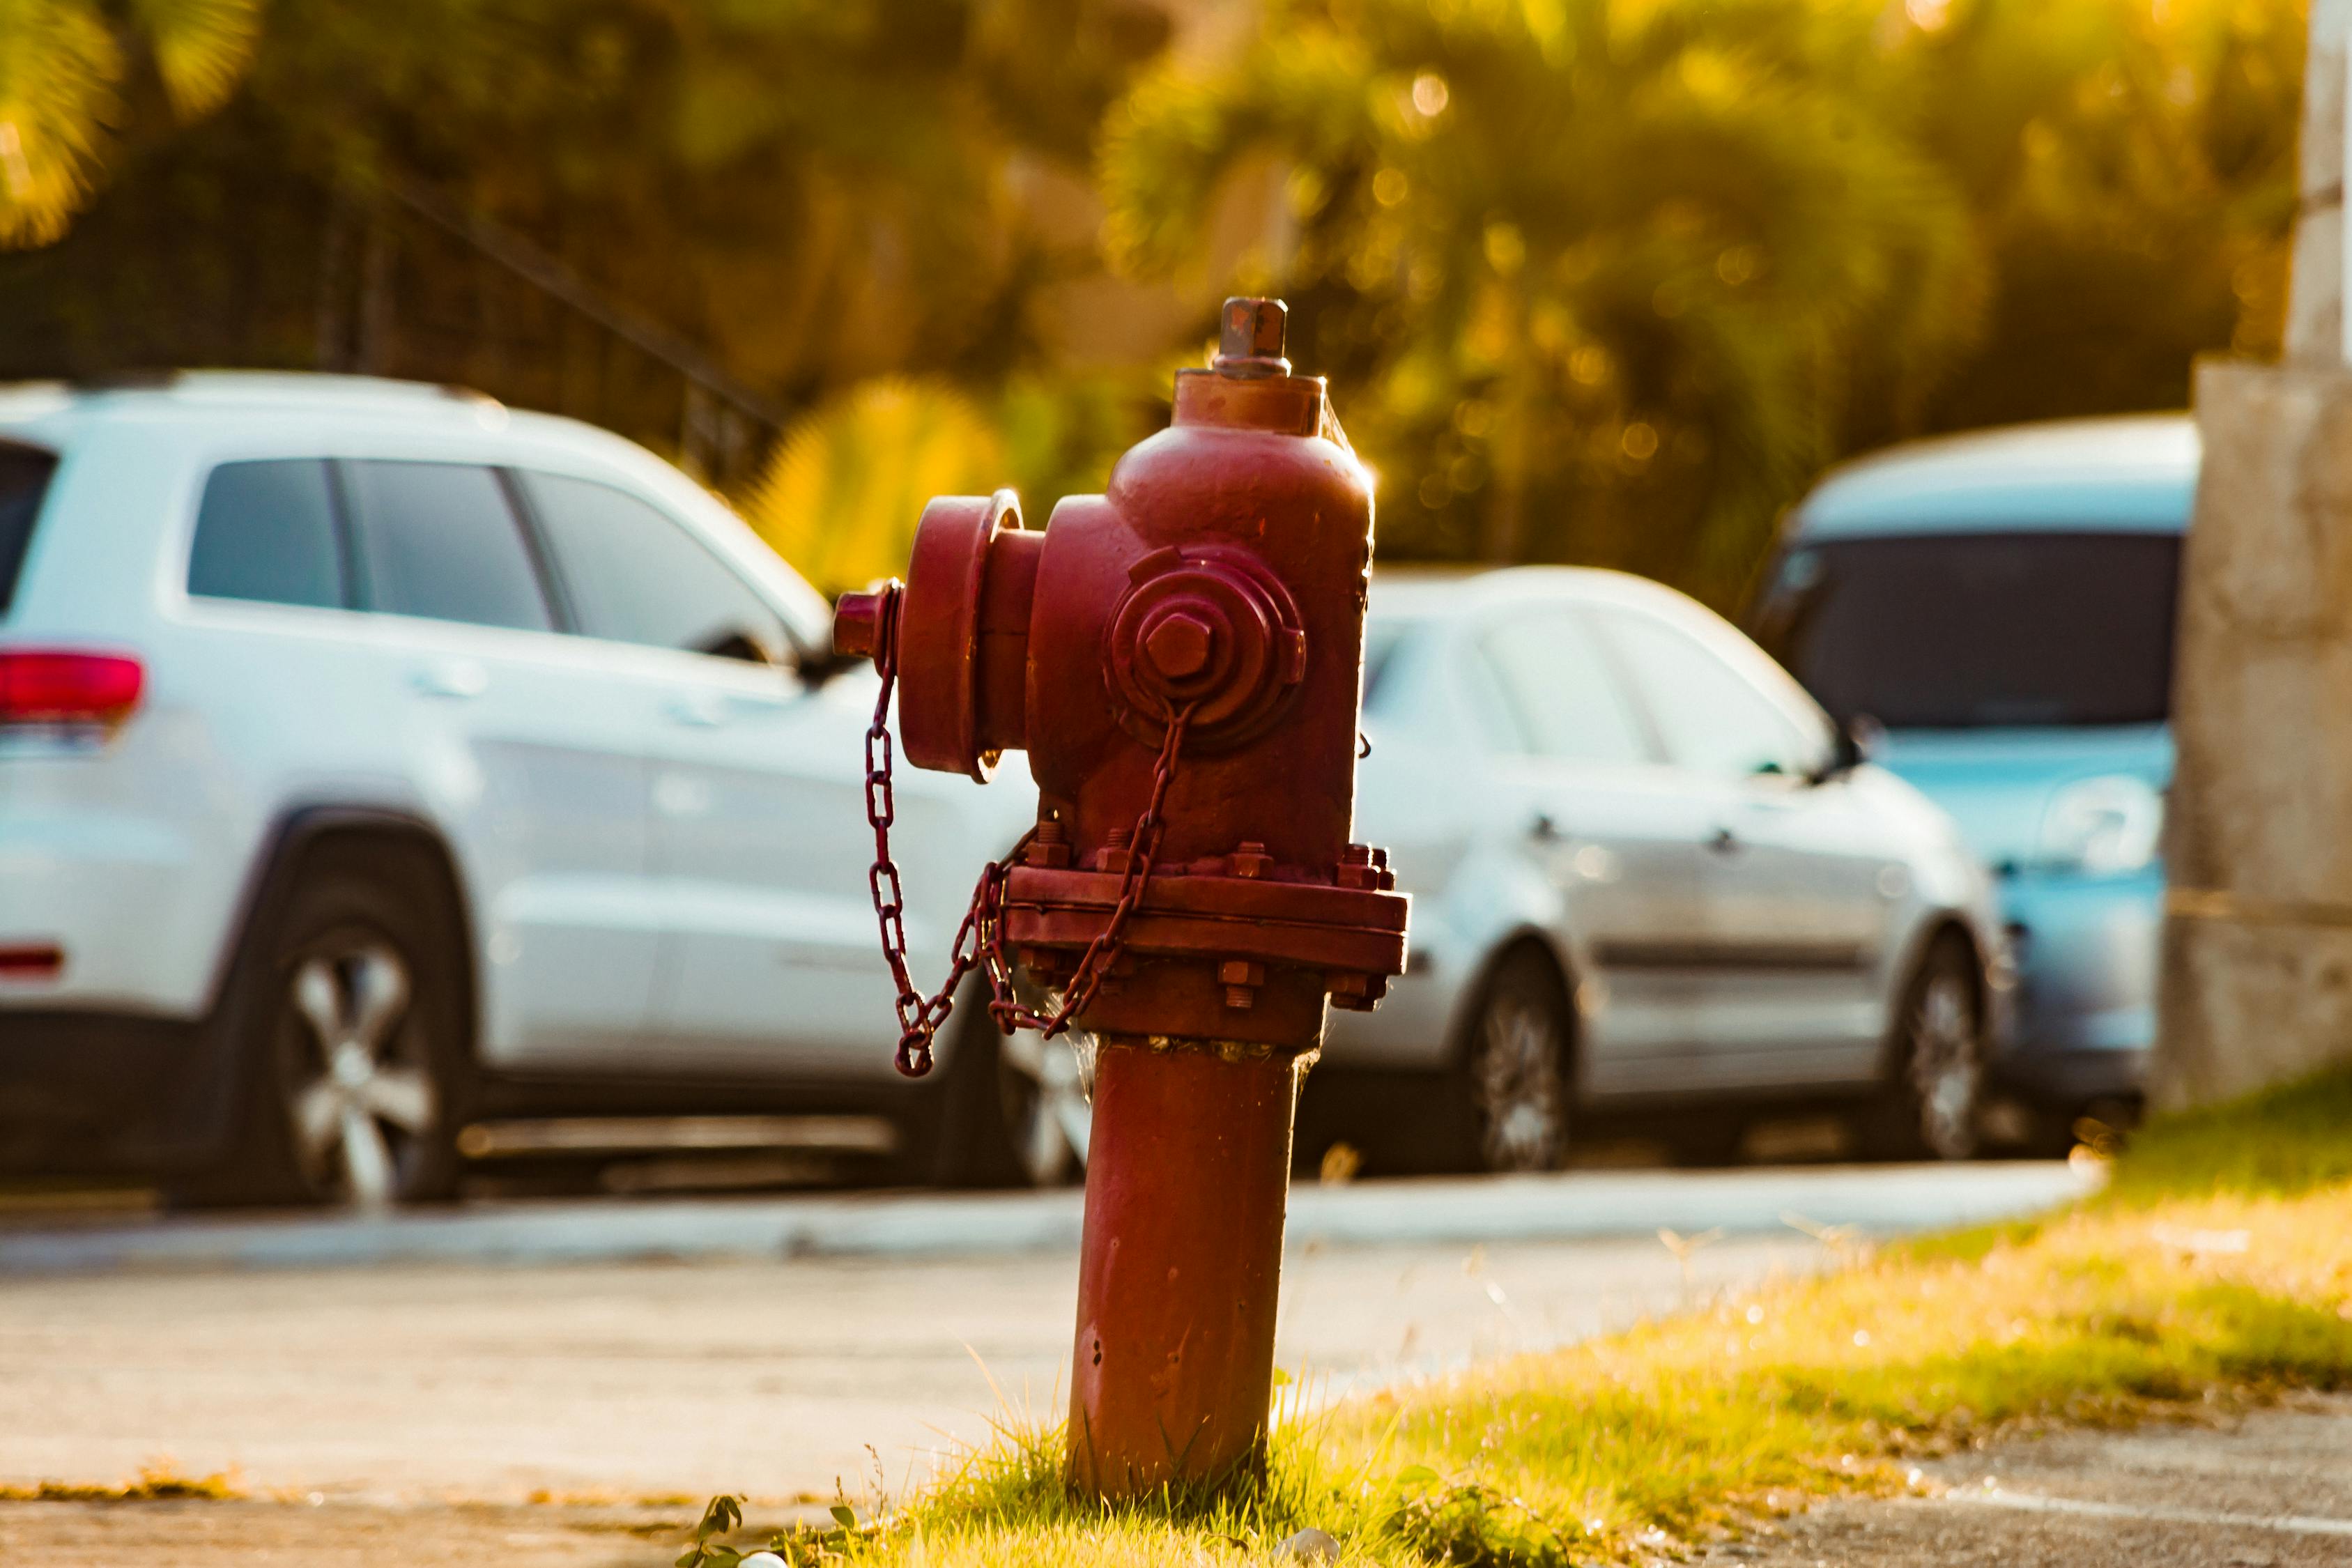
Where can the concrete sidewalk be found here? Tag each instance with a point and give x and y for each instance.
(1572, 1206)
(2273, 1490)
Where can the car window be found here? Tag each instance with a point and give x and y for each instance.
(1711, 716)
(439, 540)
(633, 574)
(25, 474)
(266, 531)
(1963, 631)
(1562, 695)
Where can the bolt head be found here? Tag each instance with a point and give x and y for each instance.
(1178, 645)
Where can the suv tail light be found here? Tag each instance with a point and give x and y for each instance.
(43, 686)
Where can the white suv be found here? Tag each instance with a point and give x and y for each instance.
(376, 763)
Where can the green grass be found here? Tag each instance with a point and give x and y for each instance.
(2214, 1271)
(2281, 1143)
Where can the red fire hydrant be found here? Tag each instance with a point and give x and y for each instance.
(1181, 659)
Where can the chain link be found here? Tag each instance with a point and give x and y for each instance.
(980, 939)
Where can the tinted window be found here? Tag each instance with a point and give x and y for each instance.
(1711, 716)
(439, 540)
(633, 574)
(1563, 696)
(24, 479)
(267, 530)
(1959, 631)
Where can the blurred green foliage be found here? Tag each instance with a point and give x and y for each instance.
(67, 69)
(1609, 280)
(1603, 280)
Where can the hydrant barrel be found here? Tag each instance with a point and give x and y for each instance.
(1181, 657)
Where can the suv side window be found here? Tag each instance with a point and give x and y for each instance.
(1561, 691)
(633, 574)
(1711, 717)
(438, 539)
(266, 531)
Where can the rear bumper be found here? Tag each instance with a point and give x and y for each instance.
(86, 1093)
(2085, 949)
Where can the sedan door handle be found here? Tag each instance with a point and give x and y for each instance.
(458, 678)
(1724, 841)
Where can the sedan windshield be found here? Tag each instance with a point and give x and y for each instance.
(1966, 631)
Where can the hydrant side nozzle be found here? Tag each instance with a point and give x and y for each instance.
(857, 623)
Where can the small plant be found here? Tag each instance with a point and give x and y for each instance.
(1468, 1524)
(802, 1547)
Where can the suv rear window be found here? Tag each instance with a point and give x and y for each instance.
(24, 473)
(267, 530)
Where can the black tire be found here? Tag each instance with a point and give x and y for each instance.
(353, 1053)
(1932, 1099)
(1513, 1091)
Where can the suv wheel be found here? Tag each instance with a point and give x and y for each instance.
(1514, 1080)
(1934, 1093)
(354, 1065)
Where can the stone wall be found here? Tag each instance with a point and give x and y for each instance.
(2257, 975)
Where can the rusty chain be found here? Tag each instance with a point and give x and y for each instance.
(980, 939)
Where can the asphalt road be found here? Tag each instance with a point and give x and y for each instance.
(622, 1351)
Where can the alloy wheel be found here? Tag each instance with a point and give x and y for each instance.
(1516, 1086)
(360, 1097)
(1946, 1067)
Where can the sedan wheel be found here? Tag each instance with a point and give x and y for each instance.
(1515, 1070)
(360, 1095)
(1931, 1107)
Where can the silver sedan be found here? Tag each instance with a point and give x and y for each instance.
(1648, 874)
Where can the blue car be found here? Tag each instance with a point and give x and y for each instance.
(2001, 605)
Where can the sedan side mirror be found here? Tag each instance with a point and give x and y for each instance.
(1856, 742)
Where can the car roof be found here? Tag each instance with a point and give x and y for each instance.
(2129, 473)
(1415, 592)
(208, 403)
(199, 398)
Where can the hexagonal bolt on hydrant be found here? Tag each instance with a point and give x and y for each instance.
(1181, 657)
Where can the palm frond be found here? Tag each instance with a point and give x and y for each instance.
(201, 47)
(60, 67)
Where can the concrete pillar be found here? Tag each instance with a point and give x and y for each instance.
(2257, 984)
(2257, 978)
(2314, 311)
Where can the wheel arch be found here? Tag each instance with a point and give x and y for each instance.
(300, 834)
(1943, 927)
(1522, 937)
